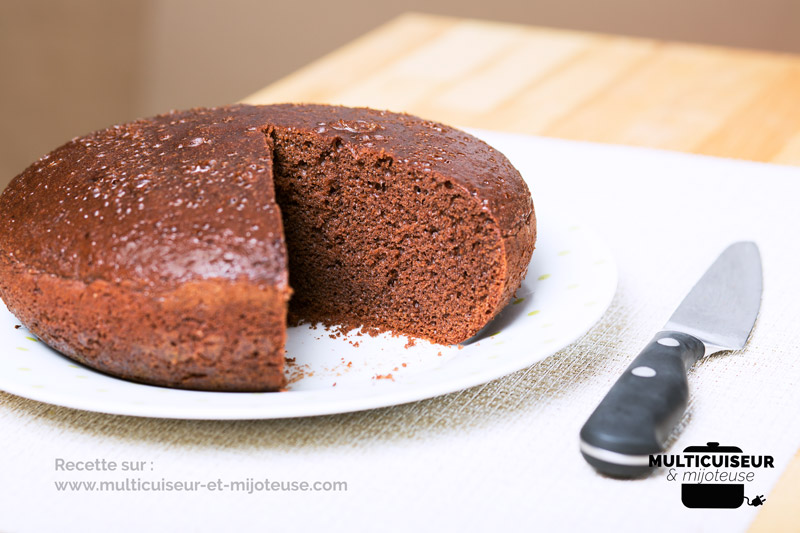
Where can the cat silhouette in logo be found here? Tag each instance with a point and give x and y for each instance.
(758, 500)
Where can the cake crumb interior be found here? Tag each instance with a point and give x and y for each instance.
(375, 243)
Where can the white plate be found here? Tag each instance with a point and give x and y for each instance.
(571, 281)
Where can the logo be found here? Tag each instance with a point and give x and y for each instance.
(714, 476)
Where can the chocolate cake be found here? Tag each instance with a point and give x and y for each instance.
(163, 250)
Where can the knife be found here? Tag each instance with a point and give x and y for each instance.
(642, 408)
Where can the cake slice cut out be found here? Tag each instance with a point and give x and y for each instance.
(166, 251)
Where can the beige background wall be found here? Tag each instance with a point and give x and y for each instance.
(69, 67)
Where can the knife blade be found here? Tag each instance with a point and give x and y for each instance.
(635, 418)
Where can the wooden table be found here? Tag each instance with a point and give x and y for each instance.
(691, 98)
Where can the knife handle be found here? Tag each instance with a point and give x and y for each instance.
(637, 415)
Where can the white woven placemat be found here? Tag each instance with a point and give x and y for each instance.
(497, 457)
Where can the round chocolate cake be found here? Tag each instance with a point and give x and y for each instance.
(163, 250)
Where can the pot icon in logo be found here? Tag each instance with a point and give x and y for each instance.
(715, 495)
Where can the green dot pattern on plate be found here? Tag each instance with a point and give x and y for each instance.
(563, 252)
(573, 228)
(20, 348)
(533, 313)
(518, 301)
(24, 369)
(32, 339)
(573, 286)
(544, 277)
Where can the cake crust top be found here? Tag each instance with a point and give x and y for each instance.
(188, 195)
(154, 203)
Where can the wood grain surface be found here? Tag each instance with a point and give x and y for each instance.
(716, 101)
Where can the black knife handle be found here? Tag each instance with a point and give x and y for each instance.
(637, 415)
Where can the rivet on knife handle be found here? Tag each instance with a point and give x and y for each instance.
(640, 411)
